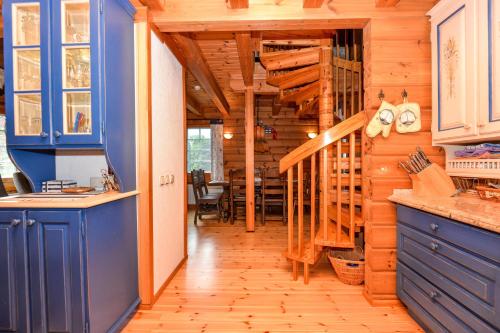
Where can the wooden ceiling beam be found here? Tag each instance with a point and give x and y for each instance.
(193, 105)
(247, 59)
(312, 3)
(193, 59)
(154, 4)
(237, 4)
(386, 3)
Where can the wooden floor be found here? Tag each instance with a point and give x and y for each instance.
(235, 281)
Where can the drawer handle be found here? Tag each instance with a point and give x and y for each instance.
(434, 246)
(434, 226)
(15, 222)
(57, 134)
(30, 222)
(433, 295)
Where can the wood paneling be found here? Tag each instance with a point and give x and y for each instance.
(249, 158)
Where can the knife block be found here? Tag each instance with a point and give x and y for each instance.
(433, 181)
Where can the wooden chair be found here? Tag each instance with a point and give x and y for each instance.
(237, 192)
(206, 203)
(273, 195)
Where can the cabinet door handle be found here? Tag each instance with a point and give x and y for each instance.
(44, 134)
(30, 222)
(433, 295)
(57, 134)
(15, 222)
(434, 226)
(434, 246)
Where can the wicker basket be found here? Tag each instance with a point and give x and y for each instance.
(488, 193)
(349, 265)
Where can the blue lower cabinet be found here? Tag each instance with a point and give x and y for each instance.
(68, 270)
(448, 273)
(14, 306)
(56, 270)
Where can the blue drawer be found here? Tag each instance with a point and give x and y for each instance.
(470, 280)
(435, 310)
(475, 240)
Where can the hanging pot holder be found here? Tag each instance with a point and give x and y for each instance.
(382, 120)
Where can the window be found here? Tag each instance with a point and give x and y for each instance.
(199, 149)
(7, 168)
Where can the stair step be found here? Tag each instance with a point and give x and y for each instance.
(346, 179)
(290, 59)
(307, 256)
(330, 238)
(302, 94)
(345, 163)
(345, 197)
(294, 78)
(344, 216)
(309, 107)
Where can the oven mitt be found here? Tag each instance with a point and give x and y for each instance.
(409, 119)
(382, 120)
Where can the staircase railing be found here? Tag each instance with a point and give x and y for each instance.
(336, 168)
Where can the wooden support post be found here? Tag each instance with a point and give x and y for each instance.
(300, 197)
(352, 170)
(290, 210)
(313, 205)
(325, 117)
(249, 159)
(339, 190)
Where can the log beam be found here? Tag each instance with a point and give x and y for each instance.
(386, 3)
(249, 159)
(312, 3)
(188, 49)
(237, 4)
(193, 105)
(154, 4)
(245, 53)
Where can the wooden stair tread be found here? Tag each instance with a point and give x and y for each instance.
(331, 236)
(332, 215)
(345, 179)
(307, 256)
(302, 94)
(294, 78)
(290, 58)
(345, 197)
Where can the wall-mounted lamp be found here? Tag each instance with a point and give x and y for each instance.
(312, 135)
(228, 136)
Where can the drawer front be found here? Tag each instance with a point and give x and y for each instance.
(470, 280)
(475, 240)
(452, 316)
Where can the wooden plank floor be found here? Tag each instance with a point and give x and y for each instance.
(236, 281)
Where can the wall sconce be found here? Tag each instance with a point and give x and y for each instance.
(228, 136)
(312, 135)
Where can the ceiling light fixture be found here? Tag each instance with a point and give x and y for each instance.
(197, 87)
(228, 136)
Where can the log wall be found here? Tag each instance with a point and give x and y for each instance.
(292, 132)
(397, 56)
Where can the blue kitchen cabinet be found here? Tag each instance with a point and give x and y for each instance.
(55, 246)
(448, 273)
(58, 85)
(68, 270)
(14, 304)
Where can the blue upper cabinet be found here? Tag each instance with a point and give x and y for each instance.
(27, 66)
(56, 79)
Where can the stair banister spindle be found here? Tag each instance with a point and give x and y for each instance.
(290, 211)
(339, 190)
(300, 196)
(352, 161)
(313, 204)
(324, 191)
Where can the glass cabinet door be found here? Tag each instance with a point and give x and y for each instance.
(26, 103)
(76, 62)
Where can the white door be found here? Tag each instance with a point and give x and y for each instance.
(455, 80)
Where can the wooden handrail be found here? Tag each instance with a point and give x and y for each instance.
(326, 138)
